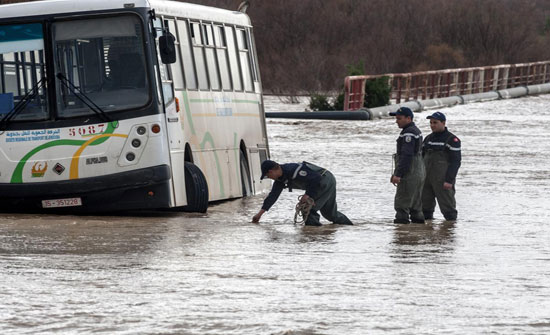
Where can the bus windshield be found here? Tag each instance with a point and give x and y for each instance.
(102, 59)
(22, 72)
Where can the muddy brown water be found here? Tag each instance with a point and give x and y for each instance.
(175, 273)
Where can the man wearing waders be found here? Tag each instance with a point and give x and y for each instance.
(442, 156)
(319, 184)
(409, 171)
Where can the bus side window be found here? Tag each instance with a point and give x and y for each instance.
(255, 72)
(187, 55)
(176, 68)
(221, 51)
(210, 52)
(233, 59)
(167, 88)
(242, 42)
(198, 53)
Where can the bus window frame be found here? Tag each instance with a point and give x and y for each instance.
(237, 59)
(160, 65)
(147, 66)
(211, 46)
(190, 45)
(179, 58)
(41, 66)
(246, 49)
(222, 46)
(252, 55)
(200, 46)
(201, 41)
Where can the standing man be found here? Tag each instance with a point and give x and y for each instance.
(442, 156)
(319, 184)
(409, 171)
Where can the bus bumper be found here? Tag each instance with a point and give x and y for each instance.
(147, 188)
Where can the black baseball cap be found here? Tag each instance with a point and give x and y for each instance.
(438, 116)
(405, 111)
(266, 166)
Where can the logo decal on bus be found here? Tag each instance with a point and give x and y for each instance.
(37, 170)
(58, 168)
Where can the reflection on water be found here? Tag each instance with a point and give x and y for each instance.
(424, 234)
(218, 273)
(413, 241)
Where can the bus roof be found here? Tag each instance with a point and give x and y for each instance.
(162, 7)
(199, 12)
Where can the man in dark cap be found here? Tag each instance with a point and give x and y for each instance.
(442, 156)
(409, 171)
(319, 184)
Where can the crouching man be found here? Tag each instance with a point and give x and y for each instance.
(319, 184)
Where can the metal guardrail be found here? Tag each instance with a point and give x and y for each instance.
(448, 82)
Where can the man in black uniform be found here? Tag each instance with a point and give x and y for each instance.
(319, 184)
(409, 170)
(442, 156)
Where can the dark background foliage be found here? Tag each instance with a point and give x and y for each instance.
(307, 46)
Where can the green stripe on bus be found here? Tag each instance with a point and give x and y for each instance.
(17, 176)
(246, 102)
(201, 100)
(208, 139)
(237, 101)
(188, 112)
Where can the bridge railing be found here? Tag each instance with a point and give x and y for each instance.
(449, 82)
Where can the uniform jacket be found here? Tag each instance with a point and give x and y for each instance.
(409, 143)
(448, 143)
(304, 176)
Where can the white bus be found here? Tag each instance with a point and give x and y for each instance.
(128, 104)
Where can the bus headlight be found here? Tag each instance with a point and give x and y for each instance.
(130, 156)
(136, 143)
(141, 130)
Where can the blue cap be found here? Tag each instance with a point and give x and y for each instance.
(405, 111)
(266, 166)
(438, 116)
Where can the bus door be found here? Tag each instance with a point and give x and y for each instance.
(174, 124)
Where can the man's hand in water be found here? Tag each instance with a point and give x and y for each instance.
(256, 218)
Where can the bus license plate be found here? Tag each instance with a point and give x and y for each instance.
(69, 202)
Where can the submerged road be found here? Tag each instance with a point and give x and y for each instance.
(173, 273)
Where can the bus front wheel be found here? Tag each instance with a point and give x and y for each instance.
(196, 189)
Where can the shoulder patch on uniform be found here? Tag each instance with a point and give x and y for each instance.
(408, 139)
(302, 173)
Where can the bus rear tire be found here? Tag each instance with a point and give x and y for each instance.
(245, 176)
(196, 189)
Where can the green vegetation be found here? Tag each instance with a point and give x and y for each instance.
(377, 92)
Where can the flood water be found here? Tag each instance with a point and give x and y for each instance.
(218, 273)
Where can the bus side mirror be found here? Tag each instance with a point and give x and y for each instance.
(167, 48)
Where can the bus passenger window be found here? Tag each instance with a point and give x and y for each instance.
(233, 60)
(196, 34)
(198, 53)
(176, 69)
(187, 55)
(245, 59)
(221, 50)
(210, 53)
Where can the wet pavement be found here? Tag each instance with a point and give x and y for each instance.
(178, 273)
